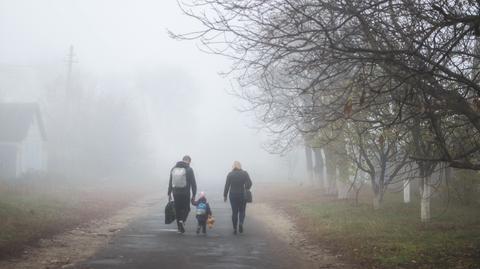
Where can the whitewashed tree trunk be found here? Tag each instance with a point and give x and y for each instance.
(425, 202)
(342, 188)
(332, 188)
(406, 191)
(325, 175)
(331, 169)
(338, 183)
(309, 160)
(319, 167)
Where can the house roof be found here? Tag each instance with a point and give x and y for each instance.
(16, 119)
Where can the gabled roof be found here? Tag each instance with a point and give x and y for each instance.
(16, 119)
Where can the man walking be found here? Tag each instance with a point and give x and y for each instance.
(181, 181)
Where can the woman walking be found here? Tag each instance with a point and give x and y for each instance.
(238, 181)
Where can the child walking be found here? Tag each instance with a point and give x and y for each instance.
(203, 212)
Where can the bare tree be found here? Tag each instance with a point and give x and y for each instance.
(392, 50)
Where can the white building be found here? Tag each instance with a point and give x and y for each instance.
(22, 140)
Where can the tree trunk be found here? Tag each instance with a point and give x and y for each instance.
(331, 165)
(377, 200)
(324, 170)
(406, 191)
(377, 193)
(309, 160)
(357, 193)
(343, 178)
(425, 202)
(448, 174)
(476, 61)
(318, 168)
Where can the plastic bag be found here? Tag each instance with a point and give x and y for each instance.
(170, 212)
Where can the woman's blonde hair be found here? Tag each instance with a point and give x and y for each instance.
(237, 165)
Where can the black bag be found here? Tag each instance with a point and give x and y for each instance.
(248, 196)
(170, 212)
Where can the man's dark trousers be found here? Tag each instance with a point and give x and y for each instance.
(182, 206)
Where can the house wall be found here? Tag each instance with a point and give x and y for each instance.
(8, 160)
(32, 151)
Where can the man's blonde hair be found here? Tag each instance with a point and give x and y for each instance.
(237, 165)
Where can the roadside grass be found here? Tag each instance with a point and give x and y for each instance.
(29, 212)
(394, 237)
(24, 219)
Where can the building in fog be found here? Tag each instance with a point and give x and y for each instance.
(22, 139)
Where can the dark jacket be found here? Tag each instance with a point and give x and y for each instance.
(191, 183)
(209, 211)
(237, 182)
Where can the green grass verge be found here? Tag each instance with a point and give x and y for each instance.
(394, 237)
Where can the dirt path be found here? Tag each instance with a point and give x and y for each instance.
(136, 237)
(68, 248)
(148, 243)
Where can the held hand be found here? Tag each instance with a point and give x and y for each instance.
(193, 199)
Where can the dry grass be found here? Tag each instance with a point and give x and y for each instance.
(392, 237)
(31, 210)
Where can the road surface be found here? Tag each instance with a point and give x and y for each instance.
(149, 243)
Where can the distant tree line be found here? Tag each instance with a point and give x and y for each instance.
(95, 135)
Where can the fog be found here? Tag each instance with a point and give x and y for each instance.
(168, 94)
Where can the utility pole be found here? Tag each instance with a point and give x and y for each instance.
(70, 61)
(68, 143)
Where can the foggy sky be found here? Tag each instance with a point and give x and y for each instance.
(125, 43)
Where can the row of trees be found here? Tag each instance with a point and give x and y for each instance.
(385, 88)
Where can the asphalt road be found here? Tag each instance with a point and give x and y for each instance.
(149, 243)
